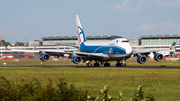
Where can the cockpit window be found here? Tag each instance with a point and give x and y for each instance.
(125, 41)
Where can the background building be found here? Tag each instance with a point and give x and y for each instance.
(49, 41)
(134, 42)
(160, 39)
(34, 43)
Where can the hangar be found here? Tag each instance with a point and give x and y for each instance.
(159, 39)
(50, 41)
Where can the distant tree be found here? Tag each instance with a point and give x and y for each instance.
(8, 44)
(19, 44)
(4, 43)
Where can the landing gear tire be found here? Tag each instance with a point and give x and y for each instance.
(96, 64)
(89, 64)
(118, 64)
(123, 64)
(107, 65)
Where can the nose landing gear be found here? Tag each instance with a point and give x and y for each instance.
(89, 64)
(122, 64)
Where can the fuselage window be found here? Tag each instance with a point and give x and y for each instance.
(125, 41)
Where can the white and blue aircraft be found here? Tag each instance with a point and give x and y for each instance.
(101, 52)
(116, 50)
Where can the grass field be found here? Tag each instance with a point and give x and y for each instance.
(163, 84)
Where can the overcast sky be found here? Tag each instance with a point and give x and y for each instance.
(34, 19)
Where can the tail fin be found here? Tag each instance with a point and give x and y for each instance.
(80, 32)
(173, 46)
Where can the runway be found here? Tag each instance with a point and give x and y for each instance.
(129, 67)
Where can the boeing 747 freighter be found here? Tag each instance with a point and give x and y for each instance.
(101, 52)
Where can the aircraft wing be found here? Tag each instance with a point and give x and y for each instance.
(151, 51)
(142, 53)
(57, 52)
(77, 53)
(163, 52)
(17, 50)
(66, 44)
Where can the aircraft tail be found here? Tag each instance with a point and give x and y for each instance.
(80, 32)
(173, 46)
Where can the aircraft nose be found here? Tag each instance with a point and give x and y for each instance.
(129, 50)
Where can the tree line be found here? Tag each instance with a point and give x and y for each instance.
(4, 43)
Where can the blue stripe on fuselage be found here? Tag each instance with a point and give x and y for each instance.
(102, 49)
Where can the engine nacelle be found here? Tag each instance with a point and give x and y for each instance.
(76, 59)
(72, 55)
(44, 57)
(141, 59)
(158, 57)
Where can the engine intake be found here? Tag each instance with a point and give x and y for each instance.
(158, 57)
(76, 59)
(141, 59)
(44, 57)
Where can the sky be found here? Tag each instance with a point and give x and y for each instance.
(29, 20)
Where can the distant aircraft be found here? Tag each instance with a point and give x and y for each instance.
(101, 52)
(166, 53)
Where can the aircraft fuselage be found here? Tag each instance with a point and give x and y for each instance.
(116, 49)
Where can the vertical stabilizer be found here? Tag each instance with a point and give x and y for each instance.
(173, 46)
(80, 32)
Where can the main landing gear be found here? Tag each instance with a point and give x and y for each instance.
(122, 64)
(106, 64)
(89, 64)
(96, 64)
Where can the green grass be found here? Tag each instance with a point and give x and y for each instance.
(163, 84)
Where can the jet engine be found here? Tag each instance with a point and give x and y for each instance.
(141, 59)
(76, 59)
(158, 57)
(44, 57)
